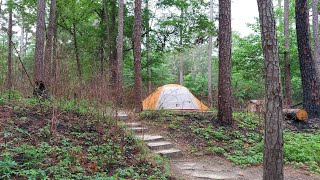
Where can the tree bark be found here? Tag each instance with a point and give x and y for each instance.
(315, 26)
(310, 83)
(76, 49)
(137, 55)
(55, 72)
(22, 42)
(279, 6)
(113, 64)
(273, 137)
(148, 49)
(0, 5)
(120, 51)
(39, 63)
(180, 51)
(180, 68)
(224, 94)
(210, 99)
(287, 69)
(106, 17)
(9, 83)
(48, 50)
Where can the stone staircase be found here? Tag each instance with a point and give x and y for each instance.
(155, 142)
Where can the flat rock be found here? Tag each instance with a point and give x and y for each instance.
(133, 124)
(138, 129)
(159, 145)
(122, 115)
(150, 138)
(170, 153)
(212, 175)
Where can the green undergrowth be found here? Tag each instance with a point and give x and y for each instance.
(70, 143)
(242, 144)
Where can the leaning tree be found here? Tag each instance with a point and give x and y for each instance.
(310, 83)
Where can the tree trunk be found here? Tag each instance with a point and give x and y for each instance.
(101, 55)
(137, 55)
(273, 137)
(106, 17)
(10, 50)
(310, 83)
(101, 47)
(148, 49)
(22, 42)
(315, 26)
(0, 5)
(180, 51)
(225, 95)
(287, 76)
(38, 70)
(25, 42)
(181, 68)
(48, 50)
(120, 51)
(76, 48)
(210, 60)
(113, 64)
(279, 6)
(55, 73)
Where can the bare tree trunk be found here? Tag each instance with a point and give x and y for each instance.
(76, 48)
(101, 55)
(10, 50)
(106, 17)
(180, 51)
(39, 63)
(0, 5)
(287, 76)
(22, 42)
(113, 64)
(148, 49)
(310, 82)
(181, 68)
(25, 42)
(315, 26)
(137, 55)
(210, 99)
(225, 94)
(55, 65)
(120, 51)
(273, 137)
(50, 33)
(279, 6)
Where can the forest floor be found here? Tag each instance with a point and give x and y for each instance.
(213, 152)
(70, 142)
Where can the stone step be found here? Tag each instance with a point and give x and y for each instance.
(133, 124)
(138, 129)
(121, 116)
(159, 145)
(150, 138)
(170, 153)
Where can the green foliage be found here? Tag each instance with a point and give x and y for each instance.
(79, 148)
(242, 144)
(303, 148)
(10, 95)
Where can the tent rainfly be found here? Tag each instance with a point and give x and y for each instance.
(174, 97)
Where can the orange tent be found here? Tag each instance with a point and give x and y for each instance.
(173, 96)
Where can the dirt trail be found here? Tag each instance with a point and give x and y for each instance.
(196, 167)
(213, 167)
